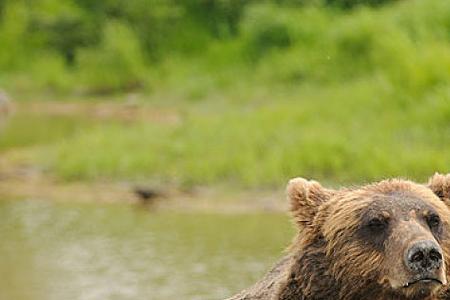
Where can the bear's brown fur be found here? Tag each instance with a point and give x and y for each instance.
(387, 240)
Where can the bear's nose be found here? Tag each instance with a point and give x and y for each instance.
(424, 256)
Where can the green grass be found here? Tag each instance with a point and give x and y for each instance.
(330, 135)
(30, 129)
(342, 134)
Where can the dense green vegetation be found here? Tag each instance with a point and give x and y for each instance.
(263, 90)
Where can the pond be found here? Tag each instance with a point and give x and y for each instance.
(111, 251)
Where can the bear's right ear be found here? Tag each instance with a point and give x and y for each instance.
(440, 185)
(305, 197)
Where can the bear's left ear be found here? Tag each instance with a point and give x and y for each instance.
(305, 197)
(440, 185)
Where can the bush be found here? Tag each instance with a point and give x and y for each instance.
(117, 64)
(16, 43)
(353, 3)
(386, 44)
(265, 28)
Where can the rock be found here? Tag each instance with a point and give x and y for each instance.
(147, 195)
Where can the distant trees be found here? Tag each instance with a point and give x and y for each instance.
(65, 26)
(352, 3)
(109, 45)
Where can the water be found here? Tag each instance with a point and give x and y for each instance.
(85, 251)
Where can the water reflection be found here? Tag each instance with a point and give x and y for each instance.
(67, 251)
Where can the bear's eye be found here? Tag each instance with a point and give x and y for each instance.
(433, 221)
(377, 224)
(375, 230)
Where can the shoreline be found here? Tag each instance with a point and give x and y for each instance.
(31, 184)
(21, 178)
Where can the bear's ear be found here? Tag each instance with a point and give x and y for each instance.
(305, 197)
(440, 185)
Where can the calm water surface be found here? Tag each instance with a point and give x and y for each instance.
(84, 251)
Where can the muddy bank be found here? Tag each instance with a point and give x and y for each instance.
(27, 182)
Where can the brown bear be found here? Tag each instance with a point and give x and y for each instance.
(387, 240)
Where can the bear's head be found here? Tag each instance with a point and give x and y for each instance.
(390, 239)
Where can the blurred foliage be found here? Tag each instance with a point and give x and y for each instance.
(70, 29)
(117, 62)
(110, 46)
(342, 135)
(353, 3)
(338, 89)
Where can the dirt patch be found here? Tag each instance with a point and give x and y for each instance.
(128, 111)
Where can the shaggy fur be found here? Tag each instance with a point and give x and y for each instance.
(340, 253)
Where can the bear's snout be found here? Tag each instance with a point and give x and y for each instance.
(424, 258)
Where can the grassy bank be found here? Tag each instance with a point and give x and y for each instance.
(330, 135)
